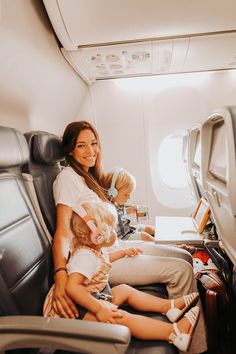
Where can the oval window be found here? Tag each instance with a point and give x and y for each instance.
(170, 162)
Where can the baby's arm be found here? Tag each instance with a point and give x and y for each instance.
(131, 209)
(124, 252)
(79, 293)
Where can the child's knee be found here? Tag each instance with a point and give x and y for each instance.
(121, 293)
(125, 319)
(123, 288)
(146, 237)
(150, 230)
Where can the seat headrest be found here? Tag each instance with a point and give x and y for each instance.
(47, 148)
(14, 149)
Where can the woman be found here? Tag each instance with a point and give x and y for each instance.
(81, 182)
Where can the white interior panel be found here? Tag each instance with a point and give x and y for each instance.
(108, 39)
(211, 52)
(88, 21)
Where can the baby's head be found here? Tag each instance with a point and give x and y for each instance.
(93, 224)
(120, 185)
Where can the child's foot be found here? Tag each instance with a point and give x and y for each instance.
(182, 331)
(179, 306)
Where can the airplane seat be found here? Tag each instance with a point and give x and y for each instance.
(219, 174)
(46, 153)
(194, 164)
(26, 272)
(186, 161)
(219, 180)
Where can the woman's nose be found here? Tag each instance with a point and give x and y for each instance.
(89, 149)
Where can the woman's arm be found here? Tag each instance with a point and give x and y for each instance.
(124, 252)
(60, 248)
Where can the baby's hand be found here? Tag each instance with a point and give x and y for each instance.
(131, 252)
(108, 314)
(131, 209)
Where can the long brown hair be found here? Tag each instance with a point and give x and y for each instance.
(94, 176)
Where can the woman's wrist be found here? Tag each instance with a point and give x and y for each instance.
(59, 269)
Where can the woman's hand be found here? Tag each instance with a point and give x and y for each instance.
(62, 303)
(108, 312)
(131, 252)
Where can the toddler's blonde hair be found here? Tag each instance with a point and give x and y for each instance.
(123, 180)
(104, 217)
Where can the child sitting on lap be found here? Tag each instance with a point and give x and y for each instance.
(93, 226)
(120, 184)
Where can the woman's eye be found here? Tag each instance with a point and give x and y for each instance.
(80, 146)
(94, 143)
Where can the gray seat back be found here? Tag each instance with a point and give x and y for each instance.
(46, 151)
(26, 261)
(219, 174)
(195, 161)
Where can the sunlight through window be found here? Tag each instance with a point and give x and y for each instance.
(170, 163)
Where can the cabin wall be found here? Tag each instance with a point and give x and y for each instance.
(38, 89)
(133, 117)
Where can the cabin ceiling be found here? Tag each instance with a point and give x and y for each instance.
(111, 39)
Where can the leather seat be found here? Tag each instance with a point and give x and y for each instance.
(46, 153)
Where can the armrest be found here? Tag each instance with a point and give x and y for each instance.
(59, 333)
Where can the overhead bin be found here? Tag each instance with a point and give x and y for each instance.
(104, 39)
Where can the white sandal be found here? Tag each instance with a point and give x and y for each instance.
(182, 340)
(173, 314)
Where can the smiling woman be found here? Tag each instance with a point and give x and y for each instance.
(86, 150)
(83, 153)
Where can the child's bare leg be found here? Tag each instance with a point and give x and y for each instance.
(144, 327)
(150, 329)
(142, 301)
(146, 236)
(149, 229)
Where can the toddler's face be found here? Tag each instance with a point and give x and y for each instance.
(123, 195)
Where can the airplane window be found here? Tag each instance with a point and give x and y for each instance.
(170, 163)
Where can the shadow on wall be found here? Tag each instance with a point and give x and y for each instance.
(14, 113)
(43, 17)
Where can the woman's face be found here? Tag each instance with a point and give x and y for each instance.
(86, 149)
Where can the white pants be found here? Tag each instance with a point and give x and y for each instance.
(161, 264)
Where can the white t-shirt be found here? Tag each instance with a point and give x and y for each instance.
(85, 262)
(69, 188)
